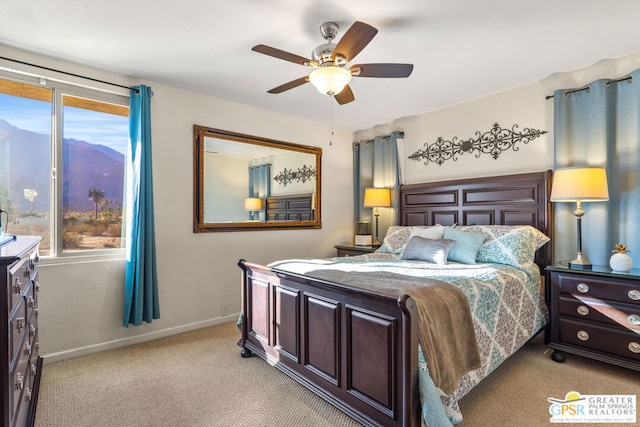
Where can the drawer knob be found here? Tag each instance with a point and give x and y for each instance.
(634, 347)
(32, 330)
(30, 301)
(34, 369)
(19, 381)
(583, 288)
(17, 286)
(583, 335)
(27, 348)
(27, 395)
(20, 323)
(634, 319)
(634, 294)
(583, 310)
(36, 286)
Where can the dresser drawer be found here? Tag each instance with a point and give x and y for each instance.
(19, 278)
(611, 289)
(600, 338)
(596, 310)
(19, 381)
(18, 326)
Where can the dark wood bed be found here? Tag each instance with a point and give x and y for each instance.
(358, 349)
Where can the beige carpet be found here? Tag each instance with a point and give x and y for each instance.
(199, 379)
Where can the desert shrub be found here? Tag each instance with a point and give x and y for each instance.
(114, 230)
(71, 240)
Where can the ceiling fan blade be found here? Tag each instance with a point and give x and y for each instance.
(289, 85)
(280, 54)
(345, 96)
(382, 70)
(354, 40)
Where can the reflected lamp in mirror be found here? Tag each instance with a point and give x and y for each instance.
(377, 198)
(252, 204)
(580, 184)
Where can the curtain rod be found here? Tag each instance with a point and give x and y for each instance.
(69, 74)
(367, 141)
(629, 79)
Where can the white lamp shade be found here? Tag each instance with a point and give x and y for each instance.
(579, 184)
(377, 198)
(330, 80)
(252, 204)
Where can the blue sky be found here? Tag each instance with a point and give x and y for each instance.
(85, 125)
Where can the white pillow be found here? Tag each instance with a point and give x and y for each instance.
(435, 232)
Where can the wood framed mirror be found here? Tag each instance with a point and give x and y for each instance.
(244, 182)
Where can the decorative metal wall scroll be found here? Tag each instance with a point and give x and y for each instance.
(492, 142)
(304, 174)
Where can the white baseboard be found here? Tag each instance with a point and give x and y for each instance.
(110, 345)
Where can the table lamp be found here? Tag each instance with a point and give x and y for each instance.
(252, 204)
(580, 184)
(377, 198)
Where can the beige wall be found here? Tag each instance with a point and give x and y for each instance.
(525, 106)
(81, 303)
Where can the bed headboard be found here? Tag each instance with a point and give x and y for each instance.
(292, 207)
(521, 199)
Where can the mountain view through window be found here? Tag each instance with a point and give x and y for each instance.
(70, 180)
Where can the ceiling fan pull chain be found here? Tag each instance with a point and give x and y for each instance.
(331, 119)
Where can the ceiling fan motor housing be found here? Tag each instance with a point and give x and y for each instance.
(322, 54)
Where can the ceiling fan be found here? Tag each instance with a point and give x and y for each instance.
(331, 77)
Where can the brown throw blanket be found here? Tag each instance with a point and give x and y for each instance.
(445, 324)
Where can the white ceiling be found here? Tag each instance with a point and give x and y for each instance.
(461, 49)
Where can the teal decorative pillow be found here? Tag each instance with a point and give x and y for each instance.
(514, 245)
(398, 236)
(423, 249)
(467, 245)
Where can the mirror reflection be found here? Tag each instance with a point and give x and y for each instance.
(244, 182)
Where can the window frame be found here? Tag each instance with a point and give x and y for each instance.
(59, 90)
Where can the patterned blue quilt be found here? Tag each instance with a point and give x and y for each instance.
(507, 305)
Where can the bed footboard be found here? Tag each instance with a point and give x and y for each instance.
(355, 348)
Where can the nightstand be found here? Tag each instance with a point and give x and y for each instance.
(352, 250)
(594, 313)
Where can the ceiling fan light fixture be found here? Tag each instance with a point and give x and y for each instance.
(330, 80)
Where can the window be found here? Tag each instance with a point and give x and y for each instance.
(62, 165)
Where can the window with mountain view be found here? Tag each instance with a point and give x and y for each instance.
(66, 185)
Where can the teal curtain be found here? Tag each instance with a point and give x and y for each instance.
(375, 164)
(260, 185)
(600, 126)
(141, 279)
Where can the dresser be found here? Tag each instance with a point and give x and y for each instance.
(595, 313)
(20, 364)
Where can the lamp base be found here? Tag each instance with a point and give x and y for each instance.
(574, 266)
(580, 263)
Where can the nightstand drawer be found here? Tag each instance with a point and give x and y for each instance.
(611, 289)
(596, 310)
(600, 338)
